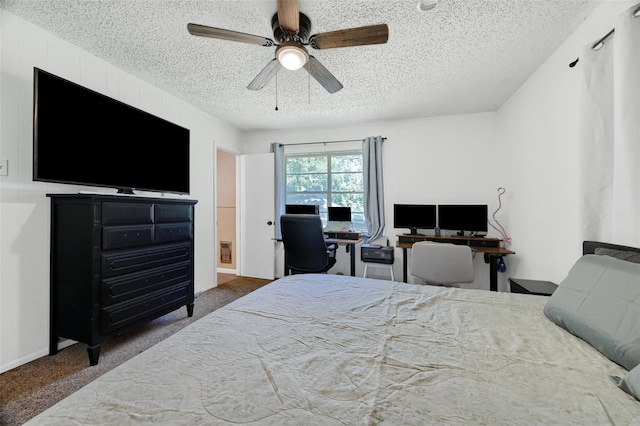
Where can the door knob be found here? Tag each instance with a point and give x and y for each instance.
(270, 223)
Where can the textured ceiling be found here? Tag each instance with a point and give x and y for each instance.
(464, 56)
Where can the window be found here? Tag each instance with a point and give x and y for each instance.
(327, 179)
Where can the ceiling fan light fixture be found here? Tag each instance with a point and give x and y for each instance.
(292, 56)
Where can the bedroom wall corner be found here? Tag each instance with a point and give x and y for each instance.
(538, 139)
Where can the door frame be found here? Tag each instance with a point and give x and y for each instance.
(216, 251)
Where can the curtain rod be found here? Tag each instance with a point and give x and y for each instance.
(326, 142)
(598, 44)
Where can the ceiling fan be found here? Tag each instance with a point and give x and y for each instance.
(291, 29)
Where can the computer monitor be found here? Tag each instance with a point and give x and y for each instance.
(463, 218)
(339, 214)
(302, 209)
(414, 216)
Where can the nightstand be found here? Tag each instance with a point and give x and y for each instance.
(541, 288)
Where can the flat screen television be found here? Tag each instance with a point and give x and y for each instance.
(463, 217)
(339, 214)
(414, 216)
(302, 209)
(82, 137)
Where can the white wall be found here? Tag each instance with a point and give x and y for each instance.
(24, 207)
(538, 141)
(431, 160)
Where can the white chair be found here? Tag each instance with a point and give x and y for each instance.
(442, 263)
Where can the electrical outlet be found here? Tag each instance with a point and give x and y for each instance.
(4, 167)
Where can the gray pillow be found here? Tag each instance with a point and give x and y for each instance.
(631, 383)
(599, 302)
(629, 256)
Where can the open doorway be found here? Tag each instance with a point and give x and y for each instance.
(226, 244)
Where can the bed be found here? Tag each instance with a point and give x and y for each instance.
(335, 350)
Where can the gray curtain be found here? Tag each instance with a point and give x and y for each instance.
(373, 187)
(278, 157)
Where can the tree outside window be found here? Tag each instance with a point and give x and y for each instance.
(327, 179)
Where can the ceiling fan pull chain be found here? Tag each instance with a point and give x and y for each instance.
(276, 91)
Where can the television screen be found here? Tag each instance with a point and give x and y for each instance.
(414, 216)
(83, 137)
(339, 214)
(302, 209)
(463, 217)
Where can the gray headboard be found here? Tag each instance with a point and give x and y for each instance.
(589, 247)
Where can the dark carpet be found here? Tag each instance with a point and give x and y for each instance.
(27, 390)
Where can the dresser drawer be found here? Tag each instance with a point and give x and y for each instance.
(127, 213)
(115, 237)
(128, 313)
(125, 262)
(166, 233)
(125, 287)
(173, 213)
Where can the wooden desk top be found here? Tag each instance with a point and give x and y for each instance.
(490, 250)
(332, 241)
(478, 248)
(343, 242)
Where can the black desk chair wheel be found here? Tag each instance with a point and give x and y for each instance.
(305, 249)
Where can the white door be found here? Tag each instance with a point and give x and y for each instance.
(257, 216)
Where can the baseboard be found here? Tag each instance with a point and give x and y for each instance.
(32, 357)
(227, 271)
(23, 360)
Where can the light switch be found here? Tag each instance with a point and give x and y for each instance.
(4, 167)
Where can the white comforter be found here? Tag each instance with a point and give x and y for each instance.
(326, 349)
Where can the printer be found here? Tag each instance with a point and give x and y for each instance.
(376, 253)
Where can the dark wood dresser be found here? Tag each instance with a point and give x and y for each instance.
(116, 262)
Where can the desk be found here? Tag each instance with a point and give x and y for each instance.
(350, 247)
(479, 245)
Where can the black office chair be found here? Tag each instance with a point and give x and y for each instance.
(305, 249)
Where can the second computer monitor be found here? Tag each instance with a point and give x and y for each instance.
(463, 217)
(339, 214)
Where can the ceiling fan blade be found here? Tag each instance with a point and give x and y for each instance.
(372, 34)
(289, 15)
(204, 31)
(322, 75)
(265, 75)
